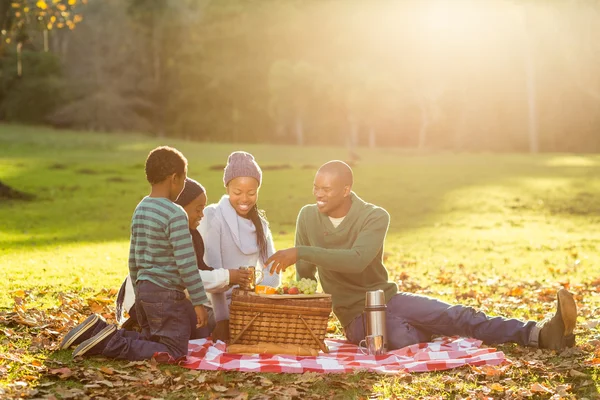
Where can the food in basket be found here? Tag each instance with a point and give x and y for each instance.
(293, 290)
(264, 289)
(303, 286)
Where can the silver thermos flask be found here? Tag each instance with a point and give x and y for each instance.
(374, 315)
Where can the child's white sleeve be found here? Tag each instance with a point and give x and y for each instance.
(216, 280)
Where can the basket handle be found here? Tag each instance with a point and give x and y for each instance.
(239, 335)
(321, 344)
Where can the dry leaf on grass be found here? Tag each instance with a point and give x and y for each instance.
(62, 373)
(219, 388)
(539, 388)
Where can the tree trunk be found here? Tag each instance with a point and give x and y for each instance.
(372, 137)
(530, 77)
(45, 34)
(460, 129)
(281, 128)
(5, 21)
(299, 131)
(531, 102)
(425, 121)
(352, 138)
(235, 117)
(160, 91)
(156, 46)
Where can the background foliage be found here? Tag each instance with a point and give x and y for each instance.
(469, 75)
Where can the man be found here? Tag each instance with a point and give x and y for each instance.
(341, 237)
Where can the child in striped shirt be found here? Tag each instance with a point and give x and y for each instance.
(162, 264)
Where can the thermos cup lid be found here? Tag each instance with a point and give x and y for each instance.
(375, 298)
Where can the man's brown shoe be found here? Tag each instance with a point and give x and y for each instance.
(557, 333)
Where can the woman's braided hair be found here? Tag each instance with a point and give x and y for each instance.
(258, 217)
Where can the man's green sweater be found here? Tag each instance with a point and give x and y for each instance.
(349, 258)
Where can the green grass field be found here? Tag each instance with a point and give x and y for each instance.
(482, 228)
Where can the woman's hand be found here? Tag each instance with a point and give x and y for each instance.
(221, 331)
(240, 277)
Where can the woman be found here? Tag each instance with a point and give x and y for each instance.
(236, 232)
(193, 200)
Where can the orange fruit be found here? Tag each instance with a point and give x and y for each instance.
(264, 289)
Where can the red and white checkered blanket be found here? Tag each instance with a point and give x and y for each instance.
(441, 354)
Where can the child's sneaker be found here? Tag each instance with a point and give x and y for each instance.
(81, 332)
(96, 343)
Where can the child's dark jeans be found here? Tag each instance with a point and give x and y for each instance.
(164, 316)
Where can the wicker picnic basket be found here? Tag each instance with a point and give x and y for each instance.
(299, 320)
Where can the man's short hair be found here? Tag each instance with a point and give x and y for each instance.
(162, 162)
(340, 169)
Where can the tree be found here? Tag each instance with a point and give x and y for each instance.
(292, 87)
(107, 93)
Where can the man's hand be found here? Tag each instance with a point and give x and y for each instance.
(221, 331)
(201, 316)
(240, 277)
(282, 259)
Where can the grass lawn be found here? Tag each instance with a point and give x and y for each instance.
(499, 232)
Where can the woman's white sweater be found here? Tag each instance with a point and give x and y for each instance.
(230, 242)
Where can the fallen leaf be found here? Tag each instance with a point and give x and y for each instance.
(497, 387)
(539, 388)
(576, 373)
(265, 382)
(68, 394)
(107, 370)
(489, 370)
(159, 381)
(291, 391)
(129, 378)
(92, 386)
(135, 364)
(219, 388)
(63, 373)
(309, 377)
(592, 324)
(153, 364)
(562, 390)
(232, 393)
(516, 292)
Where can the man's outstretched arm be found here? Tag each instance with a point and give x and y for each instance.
(365, 248)
(304, 269)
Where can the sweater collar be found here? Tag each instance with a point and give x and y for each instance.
(357, 203)
(242, 230)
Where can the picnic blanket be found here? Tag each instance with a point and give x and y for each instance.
(441, 354)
